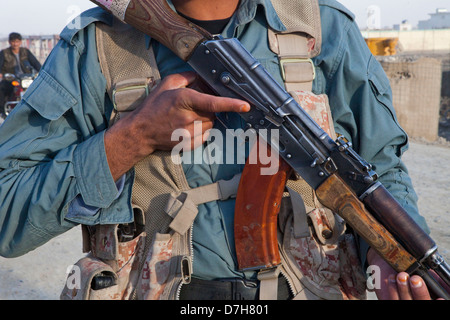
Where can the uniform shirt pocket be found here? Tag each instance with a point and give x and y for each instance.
(51, 99)
(380, 85)
(42, 109)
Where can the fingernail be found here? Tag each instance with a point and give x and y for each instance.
(245, 108)
(416, 282)
(403, 279)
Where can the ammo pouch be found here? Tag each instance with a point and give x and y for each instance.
(110, 270)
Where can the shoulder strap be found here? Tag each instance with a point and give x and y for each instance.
(300, 42)
(120, 46)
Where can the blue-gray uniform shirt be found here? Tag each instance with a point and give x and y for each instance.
(52, 152)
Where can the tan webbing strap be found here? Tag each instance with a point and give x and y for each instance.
(127, 87)
(299, 43)
(268, 286)
(221, 190)
(182, 206)
(301, 16)
(128, 94)
(296, 66)
(300, 227)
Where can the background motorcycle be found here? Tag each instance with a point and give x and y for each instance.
(20, 85)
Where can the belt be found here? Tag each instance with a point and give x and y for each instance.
(229, 289)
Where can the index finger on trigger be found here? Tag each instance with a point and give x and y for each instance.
(215, 104)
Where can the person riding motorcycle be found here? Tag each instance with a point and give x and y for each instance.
(14, 60)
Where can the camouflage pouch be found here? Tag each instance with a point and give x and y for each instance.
(321, 262)
(111, 269)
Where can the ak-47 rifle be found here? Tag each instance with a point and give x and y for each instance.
(343, 181)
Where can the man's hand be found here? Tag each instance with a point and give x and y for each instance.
(172, 105)
(397, 286)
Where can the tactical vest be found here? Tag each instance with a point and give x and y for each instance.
(157, 262)
(9, 66)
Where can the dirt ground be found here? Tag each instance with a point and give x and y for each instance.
(41, 273)
(429, 166)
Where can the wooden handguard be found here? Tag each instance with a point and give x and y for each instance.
(394, 218)
(257, 206)
(338, 197)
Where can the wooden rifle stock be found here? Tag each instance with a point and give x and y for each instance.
(156, 18)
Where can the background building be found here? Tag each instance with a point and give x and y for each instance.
(404, 26)
(438, 20)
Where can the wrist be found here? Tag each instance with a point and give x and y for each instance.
(124, 146)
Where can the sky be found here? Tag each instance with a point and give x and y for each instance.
(32, 17)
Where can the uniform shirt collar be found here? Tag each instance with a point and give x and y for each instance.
(247, 12)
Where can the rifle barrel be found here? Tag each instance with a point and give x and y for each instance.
(433, 285)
